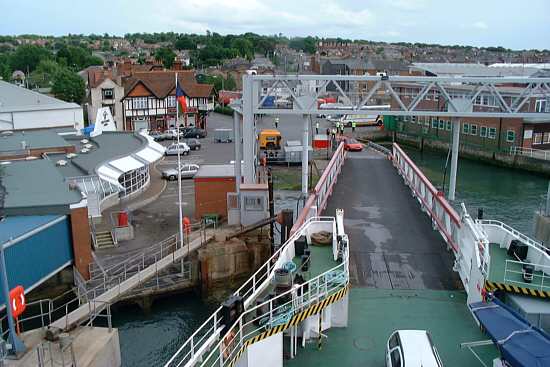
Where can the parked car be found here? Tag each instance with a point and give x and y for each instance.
(192, 132)
(156, 135)
(187, 171)
(172, 133)
(223, 135)
(173, 149)
(352, 145)
(194, 144)
(411, 348)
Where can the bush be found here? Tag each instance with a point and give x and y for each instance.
(226, 110)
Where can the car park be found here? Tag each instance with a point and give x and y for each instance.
(188, 170)
(173, 149)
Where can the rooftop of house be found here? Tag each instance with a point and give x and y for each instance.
(162, 83)
(14, 99)
(34, 187)
(31, 139)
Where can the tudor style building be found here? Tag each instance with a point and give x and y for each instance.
(149, 100)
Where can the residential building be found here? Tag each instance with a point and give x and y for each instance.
(23, 109)
(105, 90)
(149, 100)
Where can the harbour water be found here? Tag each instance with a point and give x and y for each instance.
(508, 195)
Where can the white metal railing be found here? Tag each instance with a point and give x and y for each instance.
(513, 270)
(515, 233)
(209, 332)
(323, 189)
(444, 217)
(530, 152)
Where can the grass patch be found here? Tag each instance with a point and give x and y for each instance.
(290, 178)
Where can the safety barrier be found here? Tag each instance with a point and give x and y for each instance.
(443, 215)
(317, 200)
(530, 152)
(208, 338)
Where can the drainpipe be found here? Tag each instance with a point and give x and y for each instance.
(499, 133)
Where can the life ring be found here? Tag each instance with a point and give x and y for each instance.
(227, 344)
(17, 300)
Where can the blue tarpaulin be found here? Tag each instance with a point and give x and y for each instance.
(520, 344)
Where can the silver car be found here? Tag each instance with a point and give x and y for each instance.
(173, 149)
(187, 171)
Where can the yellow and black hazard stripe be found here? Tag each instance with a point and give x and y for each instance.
(295, 320)
(493, 286)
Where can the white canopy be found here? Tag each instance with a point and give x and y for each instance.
(126, 164)
(109, 174)
(149, 155)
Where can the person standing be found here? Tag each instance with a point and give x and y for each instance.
(276, 121)
(317, 128)
(353, 124)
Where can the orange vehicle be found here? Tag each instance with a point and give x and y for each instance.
(270, 139)
(352, 145)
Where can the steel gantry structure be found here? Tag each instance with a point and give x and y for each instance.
(453, 97)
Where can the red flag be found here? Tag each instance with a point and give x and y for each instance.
(180, 97)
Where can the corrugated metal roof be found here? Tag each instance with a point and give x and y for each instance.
(473, 70)
(14, 227)
(15, 98)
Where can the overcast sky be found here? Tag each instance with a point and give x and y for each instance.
(512, 24)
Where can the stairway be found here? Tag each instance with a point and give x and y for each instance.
(104, 239)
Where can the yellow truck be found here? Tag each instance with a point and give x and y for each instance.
(270, 139)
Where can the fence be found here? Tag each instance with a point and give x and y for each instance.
(323, 189)
(530, 152)
(273, 312)
(444, 217)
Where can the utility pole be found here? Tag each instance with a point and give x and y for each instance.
(179, 166)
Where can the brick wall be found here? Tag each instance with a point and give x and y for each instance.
(211, 195)
(82, 247)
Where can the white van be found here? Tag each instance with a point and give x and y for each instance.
(362, 120)
(411, 348)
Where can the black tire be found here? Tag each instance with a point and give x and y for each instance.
(379, 123)
(185, 153)
(198, 136)
(172, 178)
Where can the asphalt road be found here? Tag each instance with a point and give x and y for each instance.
(392, 244)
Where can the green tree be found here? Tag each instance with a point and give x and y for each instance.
(5, 69)
(44, 74)
(27, 57)
(184, 43)
(244, 47)
(77, 57)
(165, 55)
(68, 86)
(230, 83)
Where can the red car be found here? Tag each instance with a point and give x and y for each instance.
(352, 145)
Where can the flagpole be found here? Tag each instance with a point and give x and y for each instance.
(179, 166)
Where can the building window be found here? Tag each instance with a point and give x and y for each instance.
(448, 123)
(406, 118)
(465, 128)
(542, 105)
(546, 138)
(427, 122)
(537, 138)
(171, 101)
(108, 93)
(441, 125)
(510, 136)
(139, 103)
(253, 203)
(483, 131)
(492, 133)
(434, 123)
(473, 129)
